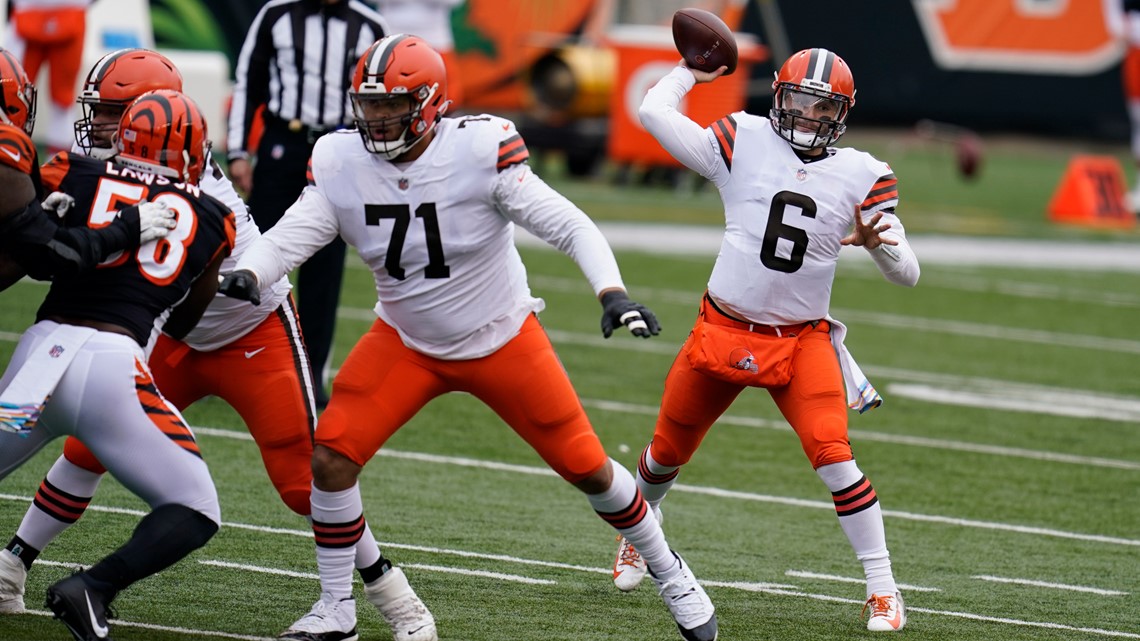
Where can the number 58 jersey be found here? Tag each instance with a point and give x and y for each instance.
(785, 218)
(134, 289)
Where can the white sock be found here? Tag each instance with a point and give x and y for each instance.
(653, 478)
(861, 518)
(338, 525)
(60, 500)
(623, 507)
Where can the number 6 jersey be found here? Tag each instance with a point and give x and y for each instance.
(784, 215)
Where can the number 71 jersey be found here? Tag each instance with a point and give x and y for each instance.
(134, 289)
(435, 232)
(784, 218)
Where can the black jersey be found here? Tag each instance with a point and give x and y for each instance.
(134, 289)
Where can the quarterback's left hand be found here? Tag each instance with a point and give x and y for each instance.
(868, 234)
(618, 310)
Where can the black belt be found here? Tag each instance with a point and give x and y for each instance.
(297, 127)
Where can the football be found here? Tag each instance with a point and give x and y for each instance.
(704, 41)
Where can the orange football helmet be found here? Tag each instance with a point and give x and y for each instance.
(17, 94)
(113, 83)
(399, 93)
(815, 81)
(163, 132)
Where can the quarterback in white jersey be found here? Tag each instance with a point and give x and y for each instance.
(430, 204)
(251, 357)
(789, 201)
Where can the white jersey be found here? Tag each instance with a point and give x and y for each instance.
(228, 319)
(784, 216)
(438, 233)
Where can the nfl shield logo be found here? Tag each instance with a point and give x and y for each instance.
(56, 351)
(801, 174)
(403, 183)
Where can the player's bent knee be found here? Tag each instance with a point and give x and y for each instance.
(78, 455)
(830, 453)
(664, 452)
(297, 500)
(333, 471)
(581, 457)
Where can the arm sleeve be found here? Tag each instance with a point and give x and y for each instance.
(898, 263)
(684, 139)
(530, 203)
(308, 225)
(43, 248)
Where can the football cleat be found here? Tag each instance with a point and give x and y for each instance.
(408, 617)
(888, 613)
(690, 606)
(327, 621)
(83, 605)
(629, 567)
(13, 574)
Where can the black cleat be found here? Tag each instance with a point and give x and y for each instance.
(83, 606)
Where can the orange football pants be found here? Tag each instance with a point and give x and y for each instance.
(54, 36)
(813, 402)
(383, 384)
(267, 389)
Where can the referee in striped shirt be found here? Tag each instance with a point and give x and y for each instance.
(297, 61)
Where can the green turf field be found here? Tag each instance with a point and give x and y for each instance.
(1006, 459)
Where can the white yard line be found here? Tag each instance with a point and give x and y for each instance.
(801, 574)
(760, 587)
(1051, 586)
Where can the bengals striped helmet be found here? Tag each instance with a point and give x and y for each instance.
(163, 132)
(399, 93)
(113, 83)
(17, 94)
(814, 92)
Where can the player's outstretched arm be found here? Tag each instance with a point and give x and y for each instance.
(242, 285)
(618, 310)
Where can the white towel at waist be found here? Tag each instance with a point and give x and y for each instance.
(22, 402)
(861, 395)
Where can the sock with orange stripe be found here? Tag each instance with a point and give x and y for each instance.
(61, 499)
(338, 525)
(623, 507)
(861, 518)
(368, 558)
(653, 478)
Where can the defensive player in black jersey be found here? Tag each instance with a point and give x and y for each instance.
(86, 351)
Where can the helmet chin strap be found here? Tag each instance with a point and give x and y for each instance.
(102, 153)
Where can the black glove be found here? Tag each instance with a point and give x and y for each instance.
(618, 310)
(241, 285)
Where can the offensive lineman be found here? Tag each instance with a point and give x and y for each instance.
(788, 198)
(430, 204)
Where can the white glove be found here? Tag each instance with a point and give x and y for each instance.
(155, 221)
(58, 203)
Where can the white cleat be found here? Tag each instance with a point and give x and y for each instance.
(888, 613)
(397, 602)
(690, 606)
(13, 575)
(327, 621)
(629, 567)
